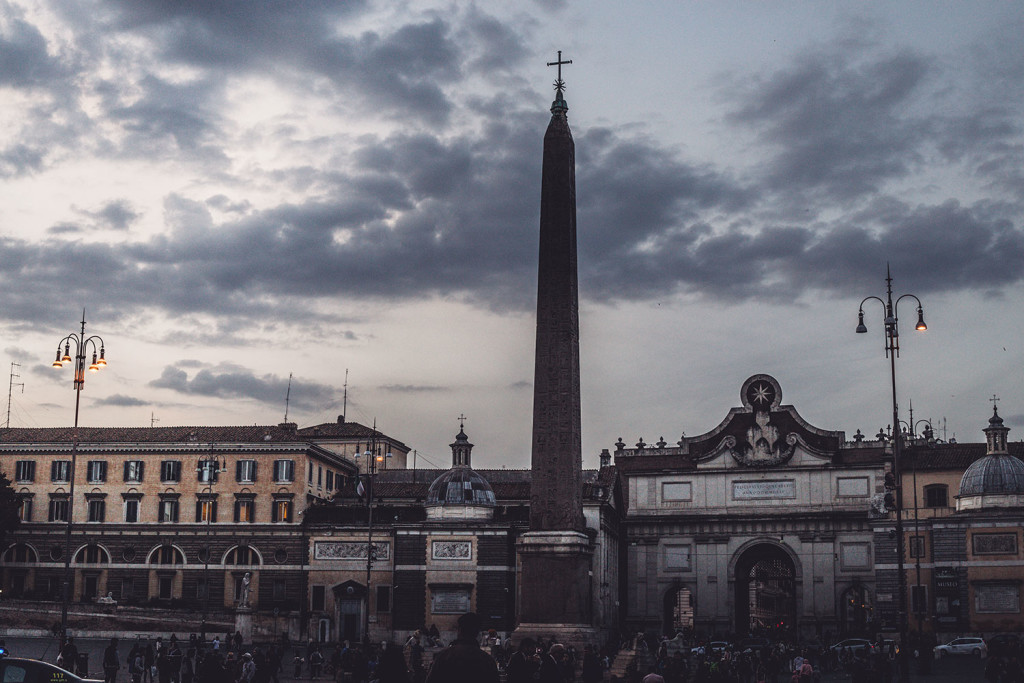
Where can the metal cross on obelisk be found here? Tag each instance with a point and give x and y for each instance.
(559, 83)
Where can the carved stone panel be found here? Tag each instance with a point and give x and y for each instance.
(350, 550)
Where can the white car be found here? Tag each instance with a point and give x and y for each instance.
(963, 646)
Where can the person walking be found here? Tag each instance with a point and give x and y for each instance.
(111, 662)
(523, 663)
(463, 660)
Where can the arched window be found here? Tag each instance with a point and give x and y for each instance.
(92, 554)
(936, 496)
(166, 554)
(242, 555)
(19, 552)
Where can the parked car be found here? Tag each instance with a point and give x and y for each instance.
(718, 646)
(1003, 644)
(32, 670)
(859, 646)
(963, 646)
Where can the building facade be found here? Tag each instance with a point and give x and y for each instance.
(170, 517)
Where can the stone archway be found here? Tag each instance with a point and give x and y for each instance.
(766, 590)
(677, 614)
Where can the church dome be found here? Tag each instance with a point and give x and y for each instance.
(461, 491)
(994, 474)
(997, 480)
(461, 486)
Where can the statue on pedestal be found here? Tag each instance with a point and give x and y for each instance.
(243, 596)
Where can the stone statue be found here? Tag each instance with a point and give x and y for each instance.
(108, 600)
(243, 596)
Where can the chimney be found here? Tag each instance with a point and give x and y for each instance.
(341, 419)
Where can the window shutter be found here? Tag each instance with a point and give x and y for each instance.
(238, 505)
(53, 471)
(177, 475)
(213, 512)
(199, 511)
(126, 464)
(142, 468)
(273, 511)
(174, 510)
(254, 470)
(238, 471)
(103, 471)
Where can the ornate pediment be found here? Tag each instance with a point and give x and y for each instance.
(763, 432)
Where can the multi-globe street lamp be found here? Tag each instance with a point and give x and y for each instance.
(374, 460)
(892, 351)
(82, 345)
(909, 434)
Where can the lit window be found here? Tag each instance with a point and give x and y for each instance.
(25, 509)
(206, 510)
(282, 511)
(244, 508)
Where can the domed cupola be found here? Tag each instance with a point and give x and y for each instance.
(997, 480)
(460, 492)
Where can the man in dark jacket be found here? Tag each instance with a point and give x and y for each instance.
(463, 660)
(524, 662)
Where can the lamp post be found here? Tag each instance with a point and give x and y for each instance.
(81, 344)
(207, 469)
(910, 434)
(374, 460)
(892, 351)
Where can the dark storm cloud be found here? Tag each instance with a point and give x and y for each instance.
(24, 59)
(839, 125)
(229, 381)
(120, 400)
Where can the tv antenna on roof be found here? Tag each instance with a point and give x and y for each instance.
(10, 391)
(287, 397)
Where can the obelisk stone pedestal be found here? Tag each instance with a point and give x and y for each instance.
(243, 623)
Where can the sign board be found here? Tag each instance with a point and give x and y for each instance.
(449, 601)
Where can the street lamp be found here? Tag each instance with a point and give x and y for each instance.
(207, 469)
(892, 351)
(909, 433)
(82, 345)
(374, 460)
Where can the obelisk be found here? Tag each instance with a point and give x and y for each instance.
(555, 554)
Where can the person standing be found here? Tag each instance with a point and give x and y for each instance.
(523, 662)
(463, 660)
(111, 662)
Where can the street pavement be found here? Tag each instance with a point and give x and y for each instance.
(948, 670)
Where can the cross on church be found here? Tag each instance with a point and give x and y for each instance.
(559, 83)
(995, 401)
(462, 421)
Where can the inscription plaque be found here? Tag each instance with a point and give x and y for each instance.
(994, 544)
(449, 601)
(753, 490)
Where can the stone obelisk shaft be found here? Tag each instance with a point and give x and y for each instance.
(555, 554)
(556, 492)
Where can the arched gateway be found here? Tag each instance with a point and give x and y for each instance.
(765, 584)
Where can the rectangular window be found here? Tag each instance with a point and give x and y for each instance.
(166, 586)
(310, 473)
(917, 546)
(282, 511)
(245, 471)
(936, 496)
(284, 471)
(244, 509)
(318, 600)
(278, 589)
(206, 471)
(168, 511)
(677, 558)
(383, 598)
(58, 510)
(96, 471)
(25, 470)
(60, 470)
(131, 510)
(97, 510)
(170, 471)
(133, 470)
(319, 477)
(330, 480)
(25, 510)
(206, 510)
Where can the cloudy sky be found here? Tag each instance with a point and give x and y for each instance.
(239, 191)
